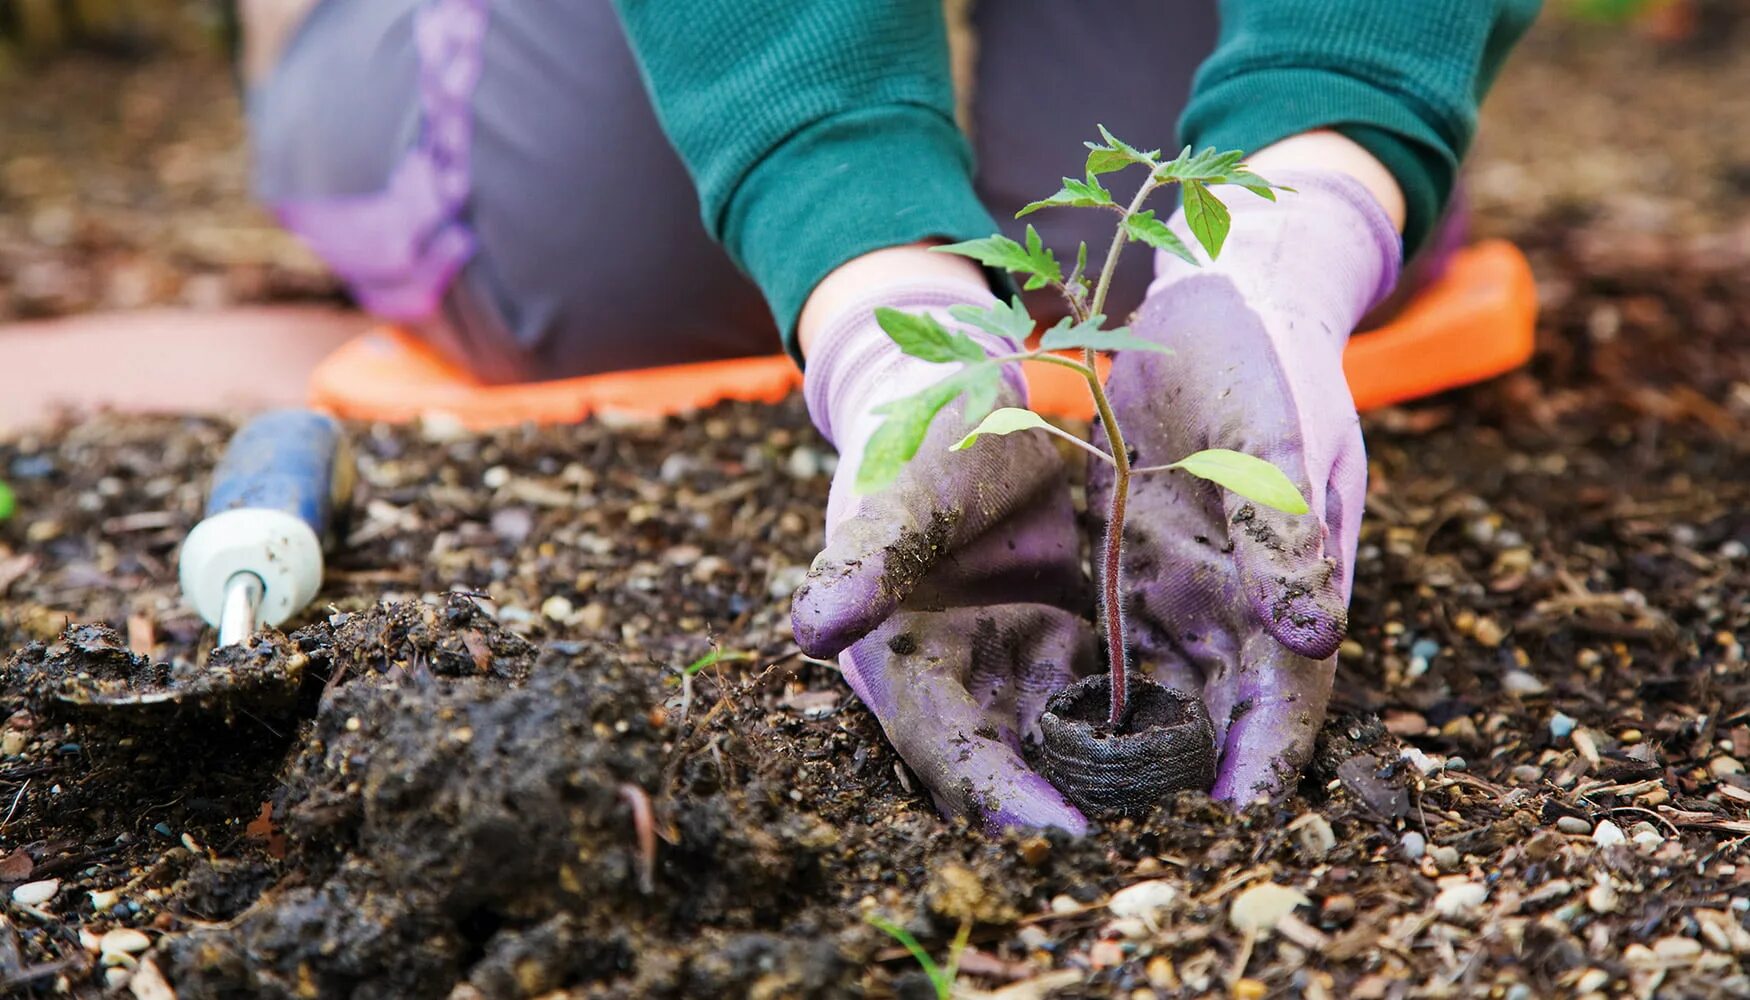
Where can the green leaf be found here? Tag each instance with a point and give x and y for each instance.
(1145, 227)
(1207, 217)
(1068, 335)
(1208, 166)
(1116, 154)
(8, 502)
(716, 655)
(908, 420)
(1259, 186)
(1009, 320)
(940, 979)
(1075, 194)
(1247, 475)
(922, 337)
(1001, 252)
(1007, 420)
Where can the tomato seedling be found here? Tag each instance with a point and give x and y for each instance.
(1084, 330)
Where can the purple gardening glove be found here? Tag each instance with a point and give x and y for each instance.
(1226, 597)
(954, 598)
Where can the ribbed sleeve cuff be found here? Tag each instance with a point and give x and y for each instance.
(1254, 109)
(845, 186)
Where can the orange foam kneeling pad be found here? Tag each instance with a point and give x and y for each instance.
(1475, 322)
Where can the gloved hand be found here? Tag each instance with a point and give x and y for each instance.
(1226, 597)
(954, 598)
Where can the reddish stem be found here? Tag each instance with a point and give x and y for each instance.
(1110, 596)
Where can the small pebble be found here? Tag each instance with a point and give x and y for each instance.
(1456, 764)
(495, 478)
(804, 463)
(1424, 649)
(1064, 903)
(1561, 725)
(1646, 838)
(1488, 633)
(102, 901)
(1420, 761)
(1608, 834)
(1573, 824)
(1719, 767)
(1131, 928)
(1259, 909)
(13, 743)
(1315, 835)
(116, 978)
(1144, 900)
(1527, 774)
(123, 941)
(1601, 898)
(1106, 954)
(1460, 897)
(1160, 973)
(1518, 991)
(36, 893)
(556, 608)
(1522, 683)
(1034, 937)
(1414, 845)
(1677, 950)
(1592, 980)
(1445, 857)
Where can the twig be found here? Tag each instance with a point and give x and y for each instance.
(644, 824)
(15, 801)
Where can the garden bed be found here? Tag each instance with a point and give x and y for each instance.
(497, 780)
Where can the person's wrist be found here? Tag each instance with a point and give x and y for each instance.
(856, 366)
(1326, 150)
(864, 276)
(1325, 251)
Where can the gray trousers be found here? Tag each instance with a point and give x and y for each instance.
(574, 243)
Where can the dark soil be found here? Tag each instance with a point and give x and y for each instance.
(494, 779)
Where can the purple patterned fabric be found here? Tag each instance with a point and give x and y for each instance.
(398, 249)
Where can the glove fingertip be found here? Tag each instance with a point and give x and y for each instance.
(1309, 624)
(827, 616)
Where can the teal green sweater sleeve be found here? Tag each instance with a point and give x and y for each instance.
(1402, 78)
(815, 130)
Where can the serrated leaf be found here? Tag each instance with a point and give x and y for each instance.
(1145, 227)
(1069, 335)
(1005, 320)
(907, 421)
(1007, 420)
(1074, 194)
(1105, 161)
(924, 338)
(1247, 475)
(1206, 217)
(1259, 186)
(1209, 166)
(1001, 252)
(1116, 154)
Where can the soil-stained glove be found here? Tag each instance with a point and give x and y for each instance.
(954, 598)
(1236, 600)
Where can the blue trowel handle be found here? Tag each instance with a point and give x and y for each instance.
(295, 461)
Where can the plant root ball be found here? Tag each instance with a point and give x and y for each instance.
(1165, 745)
